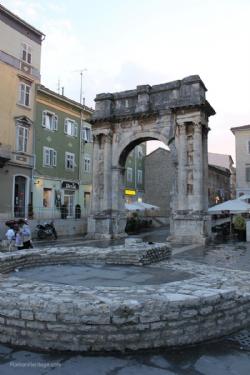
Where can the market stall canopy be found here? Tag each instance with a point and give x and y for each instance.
(134, 207)
(148, 206)
(140, 206)
(234, 206)
(244, 197)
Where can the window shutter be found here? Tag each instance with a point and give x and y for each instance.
(65, 160)
(75, 130)
(29, 55)
(65, 126)
(44, 119)
(84, 134)
(90, 136)
(26, 135)
(54, 158)
(21, 94)
(248, 174)
(44, 155)
(55, 122)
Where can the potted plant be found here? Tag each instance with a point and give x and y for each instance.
(240, 227)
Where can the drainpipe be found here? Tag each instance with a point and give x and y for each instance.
(80, 157)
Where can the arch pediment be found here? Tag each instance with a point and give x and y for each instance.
(24, 120)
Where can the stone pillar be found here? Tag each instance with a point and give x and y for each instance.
(205, 168)
(116, 185)
(190, 222)
(107, 174)
(182, 167)
(198, 190)
(95, 199)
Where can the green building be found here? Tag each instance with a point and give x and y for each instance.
(134, 185)
(63, 166)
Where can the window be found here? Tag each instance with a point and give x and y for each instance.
(69, 161)
(49, 157)
(22, 138)
(248, 147)
(70, 128)
(87, 164)
(24, 94)
(47, 193)
(26, 53)
(129, 174)
(248, 174)
(86, 134)
(50, 120)
(139, 176)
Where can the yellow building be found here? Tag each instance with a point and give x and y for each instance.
(20, 57)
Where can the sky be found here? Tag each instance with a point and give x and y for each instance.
(120, 44)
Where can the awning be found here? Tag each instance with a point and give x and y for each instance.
(234, 206)
(140, 206)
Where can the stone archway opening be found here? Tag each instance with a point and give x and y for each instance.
(132, 163)
(175, 113)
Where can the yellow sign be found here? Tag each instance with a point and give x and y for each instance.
(130, 192)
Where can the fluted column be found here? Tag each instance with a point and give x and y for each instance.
(205, 168)
(107, 174)
(182, 167)
(117, 189)
(198, 190)
(95, 201)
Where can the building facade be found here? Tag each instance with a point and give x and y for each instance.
(219, 184)
(134, 175)
(159, 177)
(20, 56)
(225, 162)
(159, 181)
(63, 168)
(242, 149)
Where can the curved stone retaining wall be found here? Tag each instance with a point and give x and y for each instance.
(49, 316)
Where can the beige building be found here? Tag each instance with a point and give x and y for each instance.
(225, 162)
(20, 56)
(242, 147)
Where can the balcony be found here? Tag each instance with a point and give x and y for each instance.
(5, 154)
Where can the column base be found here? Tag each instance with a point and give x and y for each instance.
(105, 226)
(190, 228)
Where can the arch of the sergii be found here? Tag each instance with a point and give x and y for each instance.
(175, 113)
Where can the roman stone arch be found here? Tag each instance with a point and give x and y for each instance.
(175, 113)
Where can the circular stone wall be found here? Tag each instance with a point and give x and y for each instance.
(63, 317)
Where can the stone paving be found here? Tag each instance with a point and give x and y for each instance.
(50, 316)
(228, 356)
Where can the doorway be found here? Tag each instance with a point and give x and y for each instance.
(19, 196)
(69, 198)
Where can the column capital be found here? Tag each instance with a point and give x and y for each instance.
(182, 127)
(108, 138)
(197, 126)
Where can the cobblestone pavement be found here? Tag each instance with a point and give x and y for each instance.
(229, 356)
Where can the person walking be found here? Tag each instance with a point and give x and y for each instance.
(19, 239)
(10, 235)
(25, 234)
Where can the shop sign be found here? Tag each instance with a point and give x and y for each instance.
(130, 192)
(70, 185)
